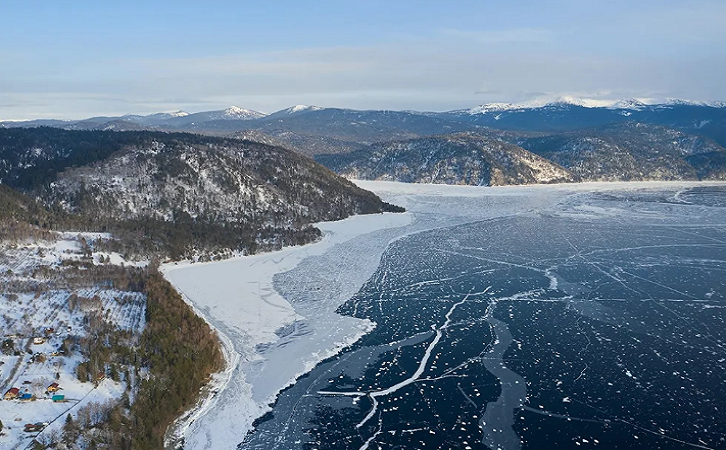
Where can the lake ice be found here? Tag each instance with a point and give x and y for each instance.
(519, 317)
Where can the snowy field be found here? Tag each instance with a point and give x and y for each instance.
(39, 310)
(276, 312)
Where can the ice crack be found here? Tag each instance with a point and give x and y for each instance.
(410, 380)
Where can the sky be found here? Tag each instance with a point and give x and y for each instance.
(75, 59)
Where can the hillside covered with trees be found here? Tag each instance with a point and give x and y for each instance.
(178, 195)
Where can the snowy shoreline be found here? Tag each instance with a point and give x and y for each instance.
(270, 339)
(174, 436)
(237, 298)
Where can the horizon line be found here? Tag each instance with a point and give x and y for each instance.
(532, 104)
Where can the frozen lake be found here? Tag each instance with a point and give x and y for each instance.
(523, 317)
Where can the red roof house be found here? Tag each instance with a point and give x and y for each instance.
(12, 394)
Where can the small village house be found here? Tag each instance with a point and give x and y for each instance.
(53, 387)
(33, 427)
(12, 394)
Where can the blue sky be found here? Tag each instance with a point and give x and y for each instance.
(74, 59)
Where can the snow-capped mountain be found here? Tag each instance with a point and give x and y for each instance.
(628, 103)
(492, 107)
(237, 113)
(681, 102)
(297, 109)
(314, 130)
(178, 113)
(162, 115)
(535, 104)
(231, 113)
(569, 114)
(176, 120)
(563, 102)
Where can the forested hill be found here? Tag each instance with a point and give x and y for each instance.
(616, 152)
(631, 152)
(462, 158)
(180, 193)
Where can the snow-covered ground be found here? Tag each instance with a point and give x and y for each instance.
(275, 312)
(37, 314)
(15, 413)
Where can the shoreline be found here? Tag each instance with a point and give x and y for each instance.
(381, 188)
(174, 435)
(244, 361)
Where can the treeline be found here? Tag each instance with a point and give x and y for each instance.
(203, 238)
(177, 348)
(181, 352)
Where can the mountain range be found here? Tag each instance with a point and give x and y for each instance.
(705, 119)
(237, 167)
(314, 130)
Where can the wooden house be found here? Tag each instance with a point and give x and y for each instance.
(12, 394)
(53, 387)
(33, 427)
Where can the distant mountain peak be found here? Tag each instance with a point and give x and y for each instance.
(628, 103)
(235, 112)
(632, 104)
(164, 115)
(681, 102)
(492, 107)
(539, 103)
(300, 108)
(577, 101)
(178, 113)
(293, 110)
